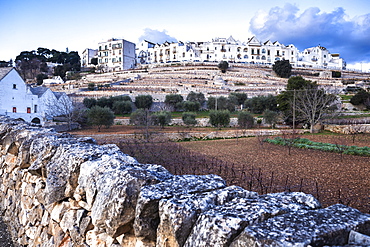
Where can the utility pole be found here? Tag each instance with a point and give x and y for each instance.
(294, 109)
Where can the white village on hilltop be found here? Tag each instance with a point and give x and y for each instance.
(40, 104)
(120, 54)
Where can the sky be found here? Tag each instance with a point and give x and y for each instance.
(342, 26)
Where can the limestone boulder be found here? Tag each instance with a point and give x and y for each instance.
(220, 225)
(330, 226)
(178, 214)
(147, 216)
(110, 187)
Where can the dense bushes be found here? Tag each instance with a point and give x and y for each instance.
(118, 104)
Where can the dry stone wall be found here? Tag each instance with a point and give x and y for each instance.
(58, 190)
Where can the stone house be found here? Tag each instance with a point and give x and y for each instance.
(31, 104)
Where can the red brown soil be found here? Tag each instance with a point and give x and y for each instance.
(335, 177)
(339, 178)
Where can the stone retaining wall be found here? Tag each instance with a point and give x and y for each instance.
(348, 129)
(58, 190)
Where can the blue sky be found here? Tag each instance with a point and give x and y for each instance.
(342, 26)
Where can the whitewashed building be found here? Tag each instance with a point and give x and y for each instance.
(116, 55)
(20, 101)
(319, 56)
(228, 49)
(52, 81)
(86, 57)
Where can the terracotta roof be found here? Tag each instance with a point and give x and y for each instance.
(4, 72)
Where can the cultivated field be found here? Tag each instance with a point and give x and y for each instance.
(259, 166)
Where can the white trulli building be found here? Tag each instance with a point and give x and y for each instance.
(116, 55)
(20, 101)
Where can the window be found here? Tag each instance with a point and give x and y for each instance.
(268, 52)
(14, 86)
(14, 109)
(28, 109)
(35, 109)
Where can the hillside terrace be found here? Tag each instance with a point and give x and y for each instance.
(181, 79)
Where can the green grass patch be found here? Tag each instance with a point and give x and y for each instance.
(322, 146)
(345, 97)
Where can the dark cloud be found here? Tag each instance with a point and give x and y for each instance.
(334, 30)
(156, 36)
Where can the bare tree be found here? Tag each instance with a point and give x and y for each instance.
(312, 104)
(62, 105)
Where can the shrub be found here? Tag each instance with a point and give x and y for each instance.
(245, 120)
(189, 118)
(282, 68)
(100, 116)
(161, 118)
(122, 107)
(191, 106)
(219, 118)
(143, 101)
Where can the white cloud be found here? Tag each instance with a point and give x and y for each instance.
(156, 36)
(312, 27)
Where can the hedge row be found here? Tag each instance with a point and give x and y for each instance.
(328, 147)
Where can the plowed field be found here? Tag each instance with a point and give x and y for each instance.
(264, 167)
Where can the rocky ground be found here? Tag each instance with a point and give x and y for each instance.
(5, 240)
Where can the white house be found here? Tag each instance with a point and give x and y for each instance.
(54, 80)
(87, 55)
(116, 55)
(319, 56)
(20, 101)
(228, 49)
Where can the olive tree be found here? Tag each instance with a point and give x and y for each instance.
(219, 118)
(122, 107)
(282, 68)
(223, 66)
(188, 118)
(161, 118)
(100, 116)
(245, 120)
(270, 117)
(143, 101)
(174, 100)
